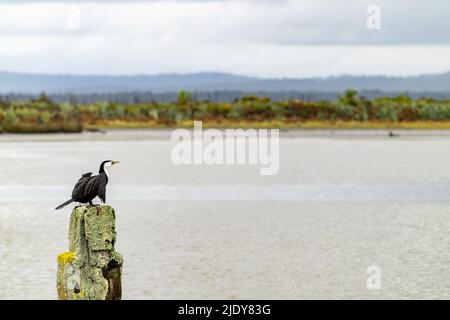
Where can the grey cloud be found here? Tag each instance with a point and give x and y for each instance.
(279, 38)
(295, 22)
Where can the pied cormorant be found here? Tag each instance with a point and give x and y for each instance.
(88, 187)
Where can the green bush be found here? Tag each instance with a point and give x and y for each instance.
(43, 115)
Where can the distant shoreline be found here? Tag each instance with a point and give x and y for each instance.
(349, 111)
(164, 134)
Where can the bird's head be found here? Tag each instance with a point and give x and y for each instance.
(107, 163)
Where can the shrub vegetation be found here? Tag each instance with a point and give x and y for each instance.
(349, 110)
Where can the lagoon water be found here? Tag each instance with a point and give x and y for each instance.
(340, 203)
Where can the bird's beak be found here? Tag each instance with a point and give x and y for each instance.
(115, 162)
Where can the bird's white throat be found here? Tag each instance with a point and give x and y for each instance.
(107, 165)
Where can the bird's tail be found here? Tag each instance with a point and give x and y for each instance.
(62, 205)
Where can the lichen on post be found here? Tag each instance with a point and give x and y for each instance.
(92, 269)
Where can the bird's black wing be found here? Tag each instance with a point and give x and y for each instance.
(91, 187)
(78, 190)
(96, 186)
(103, 181)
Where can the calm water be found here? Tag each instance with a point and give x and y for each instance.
(338, 205)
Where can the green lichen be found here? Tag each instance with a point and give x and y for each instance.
(92, 270)
(100, 228)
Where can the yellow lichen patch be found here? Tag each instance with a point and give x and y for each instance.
(78, 296)
(66, 257)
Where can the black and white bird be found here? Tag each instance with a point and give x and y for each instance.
(88, 187)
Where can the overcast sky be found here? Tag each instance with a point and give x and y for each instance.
(266, 38)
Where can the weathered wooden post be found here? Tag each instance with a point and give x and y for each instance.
(91, 269)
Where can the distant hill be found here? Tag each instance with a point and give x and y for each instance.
(209, 82)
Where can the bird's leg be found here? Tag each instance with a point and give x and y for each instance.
(97, 206)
